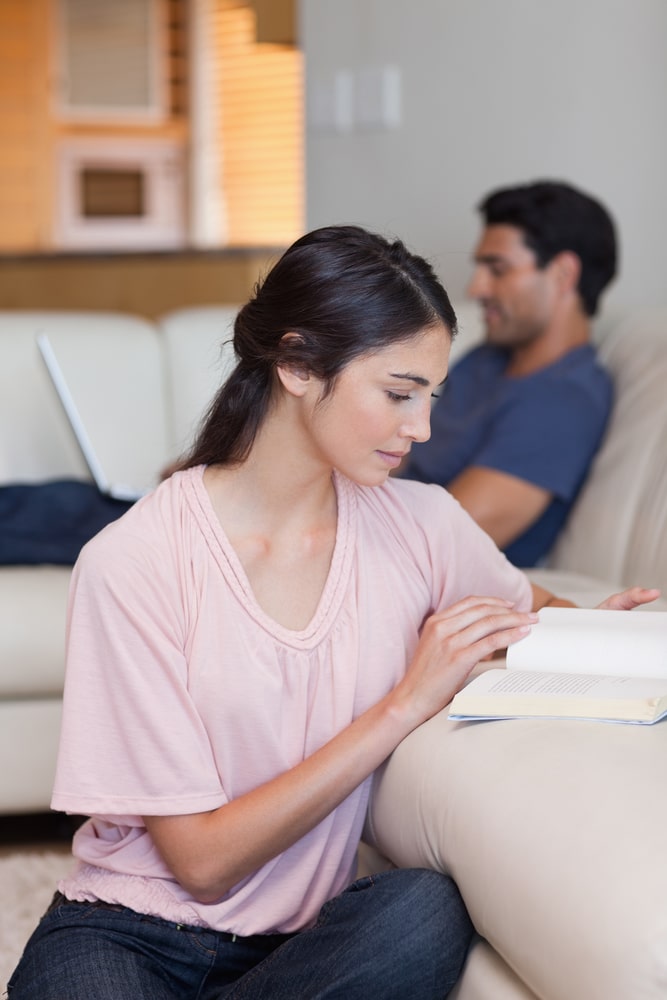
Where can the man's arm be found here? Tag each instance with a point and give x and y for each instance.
(503, 505)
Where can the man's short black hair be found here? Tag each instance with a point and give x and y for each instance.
(554, 216)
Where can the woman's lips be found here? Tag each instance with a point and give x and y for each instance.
(392, 458)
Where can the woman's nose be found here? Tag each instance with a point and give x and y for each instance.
(419, 428)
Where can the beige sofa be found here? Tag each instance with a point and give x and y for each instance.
(554, 830)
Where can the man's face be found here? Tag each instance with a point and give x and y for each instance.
(517, 297)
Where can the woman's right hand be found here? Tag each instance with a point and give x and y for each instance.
(451, 644)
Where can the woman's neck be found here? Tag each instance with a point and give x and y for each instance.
(283, 530)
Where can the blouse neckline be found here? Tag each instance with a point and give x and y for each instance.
(225, 555)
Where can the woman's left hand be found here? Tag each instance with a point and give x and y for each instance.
(629, 599)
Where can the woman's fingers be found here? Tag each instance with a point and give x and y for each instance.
(469, 631)
(452, 643)
(629, 599)
(476, 619)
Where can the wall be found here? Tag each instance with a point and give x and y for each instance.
(490, 93)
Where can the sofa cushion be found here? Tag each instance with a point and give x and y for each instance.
(29, 732)
(486, 977)
(33, 605)
(198, 357)
(555, 832)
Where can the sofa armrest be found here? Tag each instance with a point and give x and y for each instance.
(555, 833)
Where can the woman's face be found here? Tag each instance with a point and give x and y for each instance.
(379, 405)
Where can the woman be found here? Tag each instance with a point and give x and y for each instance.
(251, 641)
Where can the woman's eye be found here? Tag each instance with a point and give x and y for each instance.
(396, 396)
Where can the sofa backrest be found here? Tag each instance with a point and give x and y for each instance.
(113, 364)
(141, 386)
(618, 527)
(198, 356)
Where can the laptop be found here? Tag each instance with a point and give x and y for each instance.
(119, 491)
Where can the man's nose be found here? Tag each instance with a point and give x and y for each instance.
(478, 286)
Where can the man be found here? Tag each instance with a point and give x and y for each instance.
(521, 417)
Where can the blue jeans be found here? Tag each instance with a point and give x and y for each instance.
(398, 935)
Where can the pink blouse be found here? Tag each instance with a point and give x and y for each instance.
(181, 693)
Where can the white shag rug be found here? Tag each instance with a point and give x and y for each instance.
(28, 878)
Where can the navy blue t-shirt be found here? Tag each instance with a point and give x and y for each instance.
(544, 428)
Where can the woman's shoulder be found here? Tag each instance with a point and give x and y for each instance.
(149, 529)
(409, 496)
(410, 509)
(423, 515)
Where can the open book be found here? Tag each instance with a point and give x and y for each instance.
(576, 663)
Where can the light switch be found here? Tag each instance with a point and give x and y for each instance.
(330, 106)
(377, 97)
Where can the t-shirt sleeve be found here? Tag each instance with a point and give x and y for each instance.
(132, 741)
(474, 565)
(545, 436)
(458, 559)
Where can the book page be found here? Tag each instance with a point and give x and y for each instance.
(503, 694)
(580, 640)
(510, 682)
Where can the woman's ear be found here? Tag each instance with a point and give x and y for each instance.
(293, 377)
(295, 380)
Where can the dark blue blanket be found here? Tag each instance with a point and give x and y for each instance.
(50, 522)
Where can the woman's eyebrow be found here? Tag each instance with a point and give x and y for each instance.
(417, 379)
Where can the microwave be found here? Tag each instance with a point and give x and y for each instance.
(120, 194)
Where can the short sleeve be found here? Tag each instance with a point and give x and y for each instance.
(466, 561)
(455, 557)
(132, 741)
(546, 436)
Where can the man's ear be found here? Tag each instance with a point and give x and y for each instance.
(294, 377)
(567, 267)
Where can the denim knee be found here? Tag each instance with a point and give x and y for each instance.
(422, 900)
(442, 917)
(412, 921)
(399, 935)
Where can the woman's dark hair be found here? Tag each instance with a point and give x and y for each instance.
(343, 292)
(553, 217)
